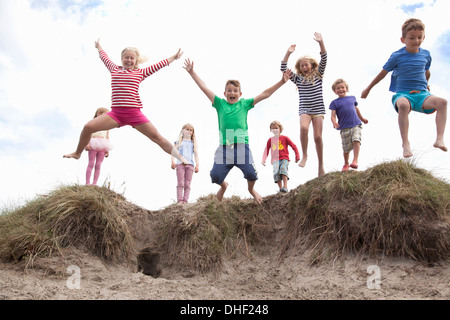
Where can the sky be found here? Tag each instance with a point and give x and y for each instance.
(52, 81)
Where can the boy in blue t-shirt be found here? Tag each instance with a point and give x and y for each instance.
(411, 72)
(349, 122)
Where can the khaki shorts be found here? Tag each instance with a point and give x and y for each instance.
(349, 135)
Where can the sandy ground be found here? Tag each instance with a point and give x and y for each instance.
(249, 277)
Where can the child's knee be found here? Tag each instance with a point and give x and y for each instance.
(89, 127)
(318, 139)
(403, 105)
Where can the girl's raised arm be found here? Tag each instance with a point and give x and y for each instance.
(176, 56)
(98, 46)
(319, 39)
(289, 51)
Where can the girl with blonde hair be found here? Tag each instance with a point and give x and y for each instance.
(98, 148)
(308, 80)
(126, 104)
(186, 145)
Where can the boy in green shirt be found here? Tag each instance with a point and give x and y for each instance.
(233, 129)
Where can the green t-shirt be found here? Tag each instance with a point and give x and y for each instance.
(232, 120)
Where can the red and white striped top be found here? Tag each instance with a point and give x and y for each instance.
(125, 83)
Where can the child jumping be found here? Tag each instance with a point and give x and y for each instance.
(311, 106)
(409, 81)
(278, 147)
(233, 147)
(98, 148)
(349, 122)
(126, 103)
(186, 145)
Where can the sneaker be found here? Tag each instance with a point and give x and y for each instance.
(284, 190)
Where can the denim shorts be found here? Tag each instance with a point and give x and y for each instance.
(415, 98)
(229, 156)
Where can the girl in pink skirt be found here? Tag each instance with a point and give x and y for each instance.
(98, 148)
(186, 145)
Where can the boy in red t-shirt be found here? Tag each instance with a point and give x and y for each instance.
(278, 146)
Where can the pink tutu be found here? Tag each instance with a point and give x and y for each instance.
(100, 144)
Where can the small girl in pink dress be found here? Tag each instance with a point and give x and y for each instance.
(98, 148)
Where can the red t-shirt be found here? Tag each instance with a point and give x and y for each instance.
(278, 147)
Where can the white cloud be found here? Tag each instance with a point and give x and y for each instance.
(51, 64)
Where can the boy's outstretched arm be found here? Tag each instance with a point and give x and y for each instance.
(268, 92)
(189, 66)
(377, 79)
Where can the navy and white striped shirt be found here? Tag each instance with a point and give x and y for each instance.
(310, 92)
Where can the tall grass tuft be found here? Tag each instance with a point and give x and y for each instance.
(198, 238)
(393, 208)
(69, 216)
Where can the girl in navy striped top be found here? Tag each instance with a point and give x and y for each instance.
(308, 79)
(126, 104)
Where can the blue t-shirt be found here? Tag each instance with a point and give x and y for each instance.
(187, 151)
(408, 70)
(346, 112)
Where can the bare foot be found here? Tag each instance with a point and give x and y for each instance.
(321, 171)
(440, 145)
(302, 162)
(223, 188)
(407, 150)
(72, 155)
(257, 196)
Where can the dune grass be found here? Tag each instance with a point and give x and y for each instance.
(198, 239)
(72, 215)
(393, 208)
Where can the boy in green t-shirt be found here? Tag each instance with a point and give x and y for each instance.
(232, 116)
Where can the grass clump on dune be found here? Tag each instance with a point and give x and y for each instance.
(198, 238)
(69, 216)
(393, 208)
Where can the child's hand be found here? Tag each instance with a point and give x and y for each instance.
(287, 75)
(365, 93)
(188, 65)
(196, 168)
(263, 163)
(178, 54)
(97, 45)
(336, 125)
(365, 121)
(318, 37)
(107, 154)
(291, 49)
(173, 165)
